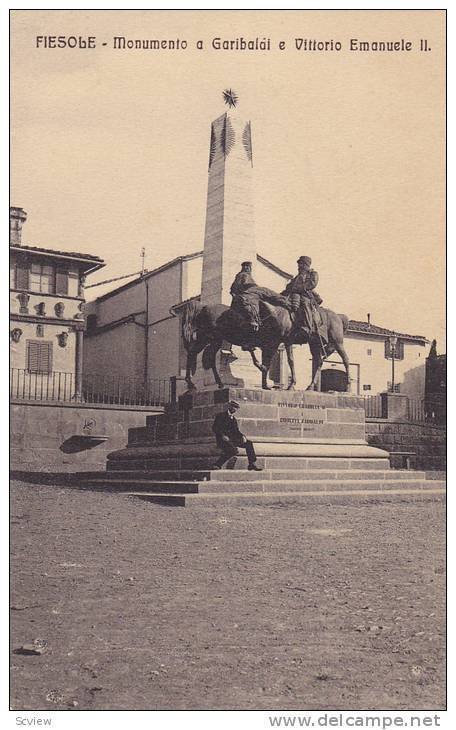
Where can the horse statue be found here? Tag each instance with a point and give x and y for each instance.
(206, 327)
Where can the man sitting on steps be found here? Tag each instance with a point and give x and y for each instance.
(229, 438)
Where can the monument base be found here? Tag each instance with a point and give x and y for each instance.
(235, 369)
(290, 429)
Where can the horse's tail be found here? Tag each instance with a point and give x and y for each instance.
(189, 332)
(191, 311)
(345, 322)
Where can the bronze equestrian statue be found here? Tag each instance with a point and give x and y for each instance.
(247, 296)
(259, 317)
(305, 303)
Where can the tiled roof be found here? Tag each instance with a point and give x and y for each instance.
(372, 329)
(72, 254)
(147, 275)
(178, 259)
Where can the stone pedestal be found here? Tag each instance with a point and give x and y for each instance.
(293, 428)
(394, 406)
(236, 370)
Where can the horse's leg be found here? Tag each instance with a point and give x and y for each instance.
(291, 365)
(266, 358)
(256, 361)
(341, 351)
(192, 357)
(188, 376)
(317, 363)
(215, 347)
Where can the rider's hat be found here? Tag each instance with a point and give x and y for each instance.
(305, 260)
(246, 263)
(234, 404)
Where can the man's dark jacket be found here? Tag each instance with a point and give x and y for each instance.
(225, 426)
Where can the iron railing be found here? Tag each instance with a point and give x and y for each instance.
(100, 389)
(426, 410)
(373, 406)
(418, 410)
(123, 391)
(112, 389)
(56, 386)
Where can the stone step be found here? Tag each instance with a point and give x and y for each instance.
(240, 462)
(229, 475)
(272, 486)
(282, 498)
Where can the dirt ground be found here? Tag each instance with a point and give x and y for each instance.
(147, 607)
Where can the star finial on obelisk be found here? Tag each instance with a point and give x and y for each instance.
(230, 98)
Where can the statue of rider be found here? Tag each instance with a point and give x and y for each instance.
(243, 280)
(247, 296)
(304, 302)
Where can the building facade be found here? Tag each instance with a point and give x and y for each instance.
(46, 316)
(136, 322)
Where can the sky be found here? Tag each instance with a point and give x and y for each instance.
(110, 147)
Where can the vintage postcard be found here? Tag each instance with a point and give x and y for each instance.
(228, 362)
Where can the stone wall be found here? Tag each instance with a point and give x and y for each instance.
(425, 440)
(53, 437)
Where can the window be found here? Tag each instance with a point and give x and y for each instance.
(398, 352)
(369, 351)
(367, 387)
(40, 330)
(73, 284)
(397, 387)
(19, 274)
(61, 281)
(42, 278)
(39, 357)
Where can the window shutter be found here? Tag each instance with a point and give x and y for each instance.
(398, 352)
(39, 357)
(22, 276)
(45, 357)
(32, 357)
(61, 281)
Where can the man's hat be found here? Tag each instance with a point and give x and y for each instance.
(246, 263)
(234, 404)
(305, 260)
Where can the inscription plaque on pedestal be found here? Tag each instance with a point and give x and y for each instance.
(285, 424)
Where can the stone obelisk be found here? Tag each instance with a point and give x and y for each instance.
(229, 236)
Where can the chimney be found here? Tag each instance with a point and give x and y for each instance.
(369, 319)
(18, 216)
